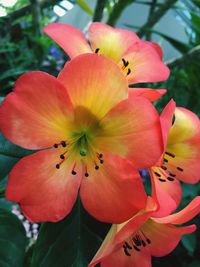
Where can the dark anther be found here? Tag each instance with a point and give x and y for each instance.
(148, 241)
(128, 72)
(73, 172)
(172, 175)
(136, 248)
(170, 154)
(101, 161)
(162, 180)
(126, 251)
(127, 245)
(97, 50)
(55, 145)
(63, 143)
(57, 166)
(143, 243)
(62, 156)
(86, 174)
(157, 174)
(170, 179)
(164, 168)
(96, 167)
(179, 169)
(125, 63)
(100, 156)
(166, 160)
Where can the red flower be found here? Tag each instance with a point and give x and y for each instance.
(141, 61)
(89, 133)
(180, 160)
(133, 242)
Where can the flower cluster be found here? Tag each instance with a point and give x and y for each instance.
(94, 133)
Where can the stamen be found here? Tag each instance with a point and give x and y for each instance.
(166, 160)
(58, 166)
(97, 50)
(172, 174)
(170, 179)
(96, 167)
(147, 239)
(63, 143)
(157, 174)
(101, 161)
(99, 155)
(86, 174)
(127, 247)
(62, 156)
(128, 72)
(55, 145)
(170, 154)
(73, 170)
(162, 180)
(136, 248)
(125, 62)
(179, 169)
(164, 168)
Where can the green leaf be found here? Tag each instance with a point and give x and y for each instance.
(66, 243)
(189, 242)
(83, 4)
(12, 240)
(9, 155)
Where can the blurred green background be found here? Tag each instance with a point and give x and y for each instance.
(175, 25)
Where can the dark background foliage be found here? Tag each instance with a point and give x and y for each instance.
(73, 241)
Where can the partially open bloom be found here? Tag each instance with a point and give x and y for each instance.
(141, 61)
(132, 243)
(181, 157)
(89, 132)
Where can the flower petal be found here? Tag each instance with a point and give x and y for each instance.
(111, 42)
(90, 79)
(38, 113)
(164, 237)
(183, 146)
(102, 193)
(185, 215)
(145, 65)
(44, 192)
(71, 39)
(166, 118)
(166, 190)
(150, 94)
(119, 259)
(132, 130)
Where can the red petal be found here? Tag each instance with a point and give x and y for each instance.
(132, 130)
(43, 192)
(90, 79)
(168, 193)
(150, 94)
(145, 64)
(38, 113)
(71, 39)
(111, 42)
(102, 193)
(164, 237)
(185, 215)
(184, 143)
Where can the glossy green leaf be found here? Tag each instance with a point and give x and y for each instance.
(83, 4)
(66, 243)
(13, 240)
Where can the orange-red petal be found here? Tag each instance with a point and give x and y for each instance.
(149, 93)
(71, 39)
(166, 190)
(44, 192)
(111, 42)
(145, 64)
(183, 146)
(38, 113)
(164, 237)
(185, 215)
(115, 192)
(132, 129)
(94, 82)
